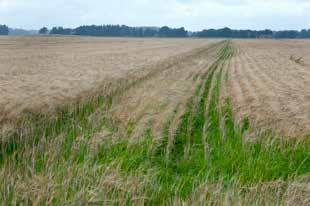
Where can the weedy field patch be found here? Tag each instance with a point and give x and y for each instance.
(189, 150)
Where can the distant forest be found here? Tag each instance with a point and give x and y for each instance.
(121, 31)
(127, 31)
(4, 30)
(230, 33)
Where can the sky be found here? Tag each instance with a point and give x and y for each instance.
(192, 14)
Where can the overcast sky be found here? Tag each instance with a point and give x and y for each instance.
(192, 14)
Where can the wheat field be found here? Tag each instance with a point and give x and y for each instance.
(271, 86)
(129, 121)
(39, 73)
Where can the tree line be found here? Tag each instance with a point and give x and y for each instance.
(121, 31)
(4, 30)
(126, 31)
(165, 31)
(232, 33)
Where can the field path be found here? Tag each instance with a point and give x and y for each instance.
(152, 103)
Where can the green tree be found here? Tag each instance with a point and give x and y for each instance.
(43, 30)
(4, 30)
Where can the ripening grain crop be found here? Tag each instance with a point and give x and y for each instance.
(153, 122)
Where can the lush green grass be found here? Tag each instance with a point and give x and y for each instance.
(71, 121)
(208, 149)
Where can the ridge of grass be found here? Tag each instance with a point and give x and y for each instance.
(224, 156)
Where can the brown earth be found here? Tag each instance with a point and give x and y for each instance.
(270, 86)
(41, 73)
